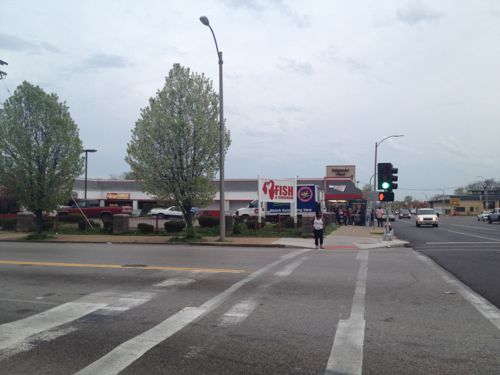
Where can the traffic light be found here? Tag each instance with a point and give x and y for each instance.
(387, 176)
(394, 178)
(384, 176)
(386, 196)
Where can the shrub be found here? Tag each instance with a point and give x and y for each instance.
(107, 226)
(238, 227)
(145, 228)
(8, 224)
(174, 226)
(73, 218)
(253, 222)
(208, 221)
(84, 225)
(288, 222)
(47, 225)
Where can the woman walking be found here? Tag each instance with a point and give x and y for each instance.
(318, 226)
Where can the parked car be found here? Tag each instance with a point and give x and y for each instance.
(92, 209)
(483, 216)
(404, 214)
(173, 212)
(427, 216)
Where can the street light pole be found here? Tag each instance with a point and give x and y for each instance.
(222, 208)
(375, 167)
(87, 150)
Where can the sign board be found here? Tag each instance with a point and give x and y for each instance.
(341, 172)
(277, 190)
(307, 196)
(455, 201)
(118, 196)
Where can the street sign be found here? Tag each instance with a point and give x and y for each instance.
(455, 201)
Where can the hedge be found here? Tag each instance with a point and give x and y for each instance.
(208, 221)
(145, 228)
(174, 226)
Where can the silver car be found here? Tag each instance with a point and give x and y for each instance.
(427, 216)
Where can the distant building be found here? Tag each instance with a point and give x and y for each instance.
(465, 204)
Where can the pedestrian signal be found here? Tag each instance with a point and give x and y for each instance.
(386, 196)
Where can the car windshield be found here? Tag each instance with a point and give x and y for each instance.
(426, 211)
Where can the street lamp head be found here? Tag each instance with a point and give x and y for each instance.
(204, 20)
(89, 150)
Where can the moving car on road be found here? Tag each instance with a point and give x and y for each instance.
(404, 214)
(483, 216)
(427, 216)
(391, 216)
(494, 215)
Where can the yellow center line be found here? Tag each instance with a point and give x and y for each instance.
(117, 266)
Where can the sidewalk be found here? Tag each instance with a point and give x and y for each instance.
(345, 237)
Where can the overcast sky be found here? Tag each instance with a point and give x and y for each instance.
(306, 83)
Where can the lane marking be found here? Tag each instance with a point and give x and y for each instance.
(16, 332)
(485, 307)
(462, 243)
(290, 268)
(128, 352)
(346, 356)
(174, 281)
(238, 313)
(117, 266)
(474, 235)
(474, 227)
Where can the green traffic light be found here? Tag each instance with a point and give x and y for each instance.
(386, 185)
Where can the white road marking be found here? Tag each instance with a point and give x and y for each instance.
(487, 309)
(474, 227)
(29, 344)
(16, 332)
(346, 356)
(462, 243)
(173, 282)
(126, 302)
(28, 301)
(238, 313)
(290, 268)
(475, 235)
(128, 352)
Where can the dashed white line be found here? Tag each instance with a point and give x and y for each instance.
(238, 313)
(474, 235)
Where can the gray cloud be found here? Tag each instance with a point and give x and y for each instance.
(104, 60)
(299, 20)
(330, 55)
(417, 12)
(293, 66)
(15, 43)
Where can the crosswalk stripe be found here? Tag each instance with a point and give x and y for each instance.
(128, 352)
(15, 332)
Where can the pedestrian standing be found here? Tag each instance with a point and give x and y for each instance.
(318, 226)
(372, 217)
(379, 215)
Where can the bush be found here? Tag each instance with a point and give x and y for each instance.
(288, 222)
(238, 227)
(8, 224)
(253, 222)
(145, 228)
(174, 226)
(84, 225)
(47, 225)
(74, 218)
(107, 226)
(208, 221)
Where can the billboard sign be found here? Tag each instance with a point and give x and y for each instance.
(306, 202)
(277, 190)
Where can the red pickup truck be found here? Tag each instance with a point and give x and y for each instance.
(92, 209)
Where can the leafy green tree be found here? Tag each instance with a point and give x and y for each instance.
(174, 147)
(39, 149)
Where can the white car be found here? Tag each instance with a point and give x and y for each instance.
(483, 216)
(391, 217)
(427, 216)
(172, 212)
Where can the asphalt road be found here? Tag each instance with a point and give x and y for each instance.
(464, 246)
(129, 309)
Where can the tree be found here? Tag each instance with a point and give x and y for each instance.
(365, 190)
(174, 147)
(39, 149)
